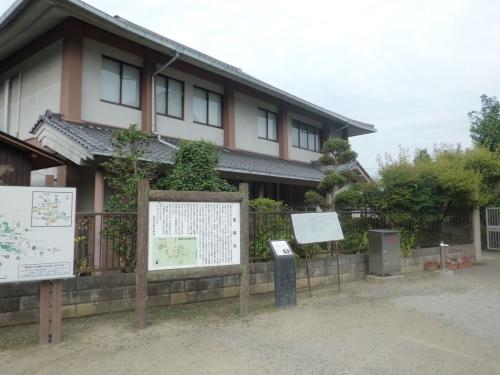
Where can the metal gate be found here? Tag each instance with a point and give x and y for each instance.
(493, 228)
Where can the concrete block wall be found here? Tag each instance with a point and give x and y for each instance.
(90, 295)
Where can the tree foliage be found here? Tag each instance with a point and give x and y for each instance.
(267, 205)
(485, 124)
(127, 167)
(123, 171)
(195, 168)
(336, 151)
(269, 224)
(451, 180)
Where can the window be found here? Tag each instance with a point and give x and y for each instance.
(305, 136)
(267, 125)
(169, 97)
(120, 83)
(207, 107)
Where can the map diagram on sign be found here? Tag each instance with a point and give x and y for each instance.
(51, 209)
(173, 251)
(19, 242)
(36, 233)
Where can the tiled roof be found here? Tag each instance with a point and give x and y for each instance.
(246, 162)
(96, 140)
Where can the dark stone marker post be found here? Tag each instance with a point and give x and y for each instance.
(284, 274)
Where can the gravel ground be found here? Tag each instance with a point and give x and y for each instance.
(424, 324)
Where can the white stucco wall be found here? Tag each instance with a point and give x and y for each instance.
(186, 128)
(40, 89)
(38, 176)
(93, 109)
(299, 154)
(246, 137)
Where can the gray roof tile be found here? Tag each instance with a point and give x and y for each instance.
(96, 139)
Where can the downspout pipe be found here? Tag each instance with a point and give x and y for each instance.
(19, 91)
(6, 106)
(153, 101)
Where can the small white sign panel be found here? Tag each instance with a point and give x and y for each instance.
(317, 227)
(37, 233)
(281, 248)
(193, 234)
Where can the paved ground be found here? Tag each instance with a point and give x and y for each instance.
(426, 324)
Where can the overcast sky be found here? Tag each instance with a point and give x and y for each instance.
(414, 69)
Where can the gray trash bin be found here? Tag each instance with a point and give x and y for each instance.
(384, 250)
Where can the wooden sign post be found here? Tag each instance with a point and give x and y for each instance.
(50, 312)
(188, 203)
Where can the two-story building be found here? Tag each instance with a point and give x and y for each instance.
(70, 73)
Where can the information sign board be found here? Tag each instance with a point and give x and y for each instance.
(193, 234)
(317, 227)
(37, 229)
(281, 248)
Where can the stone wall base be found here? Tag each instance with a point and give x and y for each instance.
(101, 294)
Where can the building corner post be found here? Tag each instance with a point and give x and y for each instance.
(147, 92)
(72, 71)
(283, 133)
(98, 207)
(244, 254)
(476, 234)
(228, 117)
(141, 283)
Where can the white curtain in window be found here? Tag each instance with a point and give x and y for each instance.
(303, 137)
(295, 135)
(214, 109)
(311, 139)
(272, 132)
(200, 105)
(131, 86)
(110, 80)
(161, 95)
(175, 96)
(316, 139)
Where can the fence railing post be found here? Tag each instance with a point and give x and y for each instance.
(141, 283)
(244, 256)
(476, 233)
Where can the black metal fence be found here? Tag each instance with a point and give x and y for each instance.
(107, 241)
(104, 241)
(417, 231)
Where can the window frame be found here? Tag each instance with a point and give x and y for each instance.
(207, 94)
(300, 126)
(121, 83)
(267, 125)
(167, 78)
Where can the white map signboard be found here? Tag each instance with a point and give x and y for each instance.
(193, 234)
(37, 229)
(317, 227)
